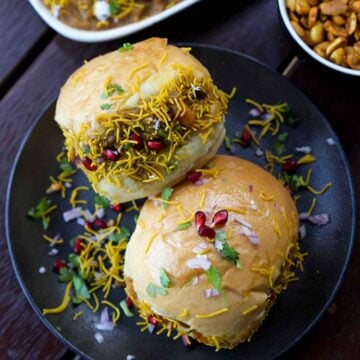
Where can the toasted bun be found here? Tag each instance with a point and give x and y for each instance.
(254, 200)
(158, 84)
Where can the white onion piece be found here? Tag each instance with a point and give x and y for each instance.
(303, 149)
(99, 338)
(218, 245)
(252, 236)
(302, 231)
(331, 141)
(200, 248)
(242, 222)
(72, 214)
(198, 263)
(100, 213)
(130, 357)
(106, 326)
(88, 216)
(81, 221)
(318, 219)
(254, 112)
(151, 328)
(259, 152)
(210, 293)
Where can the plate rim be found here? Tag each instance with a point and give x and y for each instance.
(343, 157)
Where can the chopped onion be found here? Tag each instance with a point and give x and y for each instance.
(318, 219)
(42, 270)
(72, 214)
(88, 215)
(253, 205)
(99, 338)
(68, 185)
(254, 112)
(242, 222)
(105, 323)
(253, 238)
(331, 141)
(173, 243)
(200, 248)
(130, 357)
(81, 221)
(303, 149)
(151, 328)
(211, 292)
(100, 213)
(266, 116)
(53, 252)
(259, 152)
(218, 245)
(198, 263)
(302, 231)
(195, 280)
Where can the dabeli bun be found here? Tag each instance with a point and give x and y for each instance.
(140, 118)
(210, 261)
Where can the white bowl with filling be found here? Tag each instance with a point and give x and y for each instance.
(285, 17)
(50, 17)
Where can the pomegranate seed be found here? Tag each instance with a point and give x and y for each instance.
(116, 207)
(139, 141)
(89, 224)
(155, 145)
(200, 219)
(152, 320)
(58, 265)
(220, 218)
(111, 155)
(246, 137)
(88, 164)
(100, 223)
(129, 302)
(289, 166)
(77, 246)
(193, 176)
(206, 231)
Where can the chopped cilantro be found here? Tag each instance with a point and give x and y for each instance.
(153, 290)
(105, 106)
(165, 195)
(126, 47)
(120, 236)
(125, 308)
(183, 226)
(227, 252)
(101, 201)
(283, 137)
(40, 211)
(214, 277)
(295, 182)
(65, 275)
(220, 236)
(114, 7)
(117, 88)
(227, 143)
(162, 133)
(290, 117)
(164, 278)
(136, 217)
(279, 148)
(80, 287)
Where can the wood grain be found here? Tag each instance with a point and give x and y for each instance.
(21, 31)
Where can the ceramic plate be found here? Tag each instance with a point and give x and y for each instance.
(296, 310)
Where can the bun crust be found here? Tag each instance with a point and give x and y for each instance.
(252, 198)
(156, 84)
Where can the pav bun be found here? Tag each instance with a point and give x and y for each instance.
(140, 119)
(219, 289)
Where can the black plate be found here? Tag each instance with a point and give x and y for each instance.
(297, 309)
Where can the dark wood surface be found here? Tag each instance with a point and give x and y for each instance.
(34, 62)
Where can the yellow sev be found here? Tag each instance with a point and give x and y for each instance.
(209, 315)
(64, 303)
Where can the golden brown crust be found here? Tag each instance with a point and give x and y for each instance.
(240, 187)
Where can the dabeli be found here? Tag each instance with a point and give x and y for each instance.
(141, 118)
(210, 262)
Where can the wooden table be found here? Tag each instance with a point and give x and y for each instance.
(35, 61)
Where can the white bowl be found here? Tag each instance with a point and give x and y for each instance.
(105, 35)
(312, 53)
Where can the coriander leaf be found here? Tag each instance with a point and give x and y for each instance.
(117, 88)
(229, 253)
(65, 275)
(279, 148)
(101, 201)
(165, 195)
(290, 117)
(136, 217)
(162, 133)
(105, 106)
(151, 290)
(114, 7)
(283, 137)
(80, 287)
(125, 308)
(164, 278)
(46, 222)
(122, 235)
(227, 143)
(161, 291)
(39, 210)
(220, 236)
(214, 277)
(126, 47)
(183, 226)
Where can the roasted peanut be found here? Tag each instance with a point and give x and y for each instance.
(338, 56)
(333, 8)
(321, 48)
(330, 36)
(302, 7)
(290, 4)
(338, 20)
(351, 23)
(313, 13)
(353, 61)
(293, 17)
(335, 44)
(317, 33)
(299, 30)
(356, 48)
(304, 22)
(313, 2)
(355, 6)
(187, 118)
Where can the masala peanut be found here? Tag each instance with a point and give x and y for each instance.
(330, 27)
